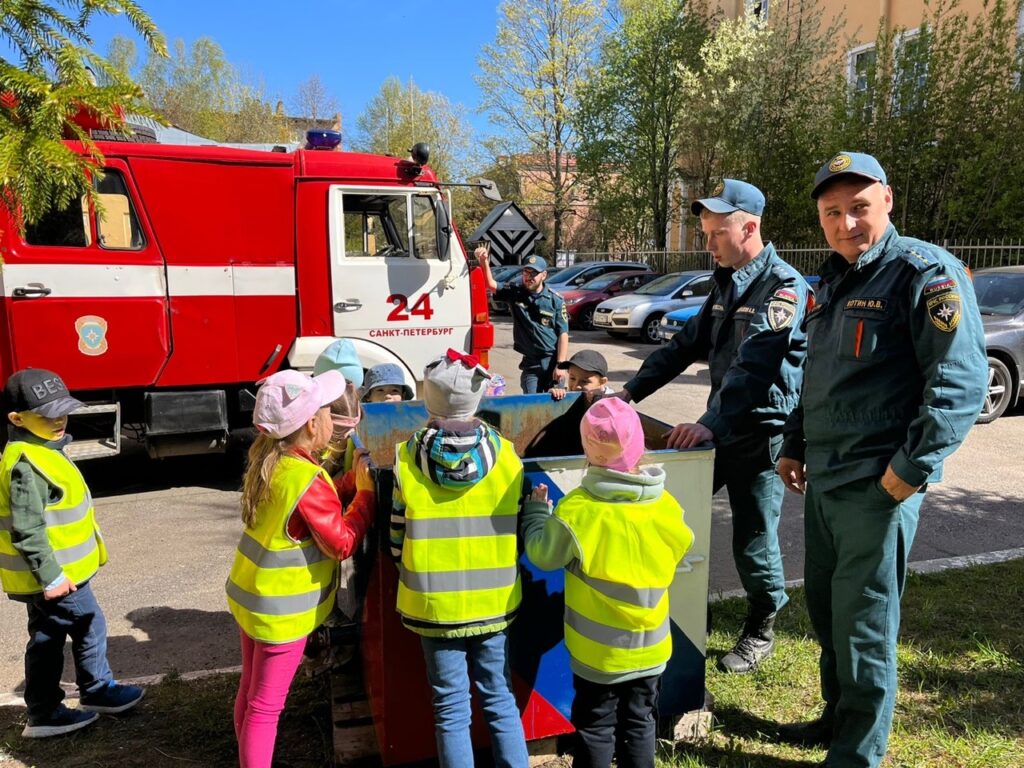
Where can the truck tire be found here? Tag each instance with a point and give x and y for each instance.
(999, 393)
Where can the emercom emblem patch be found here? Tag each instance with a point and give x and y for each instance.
(944, 311)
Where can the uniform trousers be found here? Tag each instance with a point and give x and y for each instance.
(858, 541)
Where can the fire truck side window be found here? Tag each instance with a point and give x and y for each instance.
(67, 227)
(376, 225)
(424, 227)
(118, 226)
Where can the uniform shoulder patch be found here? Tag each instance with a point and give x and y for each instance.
(939, 284)
(781, 312)
(918, 254)
(944, 310)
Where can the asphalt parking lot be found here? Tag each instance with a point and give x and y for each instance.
(172, 527)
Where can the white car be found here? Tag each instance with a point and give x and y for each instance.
(640, 312)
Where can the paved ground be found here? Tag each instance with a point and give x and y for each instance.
(172, 527)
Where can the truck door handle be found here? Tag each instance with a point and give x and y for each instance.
(32, 289)
(348, 305)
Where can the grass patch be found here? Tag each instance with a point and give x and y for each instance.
(179, 723)
(960, 705)
(961, 670)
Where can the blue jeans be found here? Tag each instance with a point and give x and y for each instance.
(448, 672)
(50, 623)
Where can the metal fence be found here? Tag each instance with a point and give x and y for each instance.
(977, 254)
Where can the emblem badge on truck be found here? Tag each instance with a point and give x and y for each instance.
(92, 335)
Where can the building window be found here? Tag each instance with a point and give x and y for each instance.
(861, 62)
(757, 9)
(911, 71)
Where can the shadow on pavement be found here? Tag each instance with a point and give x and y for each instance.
(176, 639)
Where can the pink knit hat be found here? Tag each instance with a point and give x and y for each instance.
(612, 435)
(288, 399)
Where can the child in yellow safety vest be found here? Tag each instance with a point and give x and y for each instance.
(457, 495)
(620, 537)
(50, 548)
(283, 580)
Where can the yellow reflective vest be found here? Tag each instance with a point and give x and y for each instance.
(279, 589)
(460, 555)
(616, 593)
(71, 524)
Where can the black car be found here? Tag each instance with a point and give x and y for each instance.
(1001, 301)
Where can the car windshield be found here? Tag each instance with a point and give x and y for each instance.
(999, 294)
(600, 283)
(663, 286)
(567, 274)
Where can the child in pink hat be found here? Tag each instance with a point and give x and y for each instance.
(282, 583)
(619, 536)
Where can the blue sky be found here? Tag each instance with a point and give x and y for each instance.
(352, 45)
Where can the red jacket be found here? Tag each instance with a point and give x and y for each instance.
(337, 515)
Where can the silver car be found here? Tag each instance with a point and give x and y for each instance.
(640, 313)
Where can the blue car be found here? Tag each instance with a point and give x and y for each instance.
(673, 322)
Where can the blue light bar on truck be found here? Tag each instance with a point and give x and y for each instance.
(316, 139)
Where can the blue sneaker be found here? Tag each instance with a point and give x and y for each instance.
(112, 698)
(63, 720)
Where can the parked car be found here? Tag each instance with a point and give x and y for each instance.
(581, 302)
(574, 276)
(640, 312)
(1000, 294)
(504, 274)
(673, 322)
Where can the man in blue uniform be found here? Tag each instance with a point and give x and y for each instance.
(540, 324)
(749, 330)
(895, 377)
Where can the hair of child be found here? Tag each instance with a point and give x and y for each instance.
(264, 454)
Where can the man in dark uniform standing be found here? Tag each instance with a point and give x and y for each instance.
(749, 330)
(540, 323)
(896, 375)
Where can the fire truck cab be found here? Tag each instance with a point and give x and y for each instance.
(210, 268)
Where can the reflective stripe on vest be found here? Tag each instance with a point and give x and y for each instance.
(71, 527)
(616, 594)
(460, 553)
(279, 589)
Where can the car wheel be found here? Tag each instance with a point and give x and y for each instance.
(650, 333)
(586, 319)
(1000, 391)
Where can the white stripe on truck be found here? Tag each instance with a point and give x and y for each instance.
(124, 281)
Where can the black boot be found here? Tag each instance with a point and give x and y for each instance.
(755, 644)
(813, 733)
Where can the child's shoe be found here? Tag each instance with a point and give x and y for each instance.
(63, 720)
(112, 698)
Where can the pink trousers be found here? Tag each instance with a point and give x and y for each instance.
(267, 674)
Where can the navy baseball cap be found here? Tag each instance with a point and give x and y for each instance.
(732, 195)
(587, 360)
(535, 263)
(39, 391)
(847, 164)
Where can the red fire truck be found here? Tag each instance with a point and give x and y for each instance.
(211, 268)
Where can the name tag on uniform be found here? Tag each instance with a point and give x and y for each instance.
(717, 310)
(870, 305)
(545, 316)
(746, 310)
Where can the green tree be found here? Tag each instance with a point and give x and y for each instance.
(757, 93)
(49, 78)
(941, 108)
(200, 91)
(630, 118)
(402, 115)
(532, 76)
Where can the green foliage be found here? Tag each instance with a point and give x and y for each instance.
(531, 79)
(629, 118)
(49, 79)
(942, 110)
(402, 115)
(198, 90)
